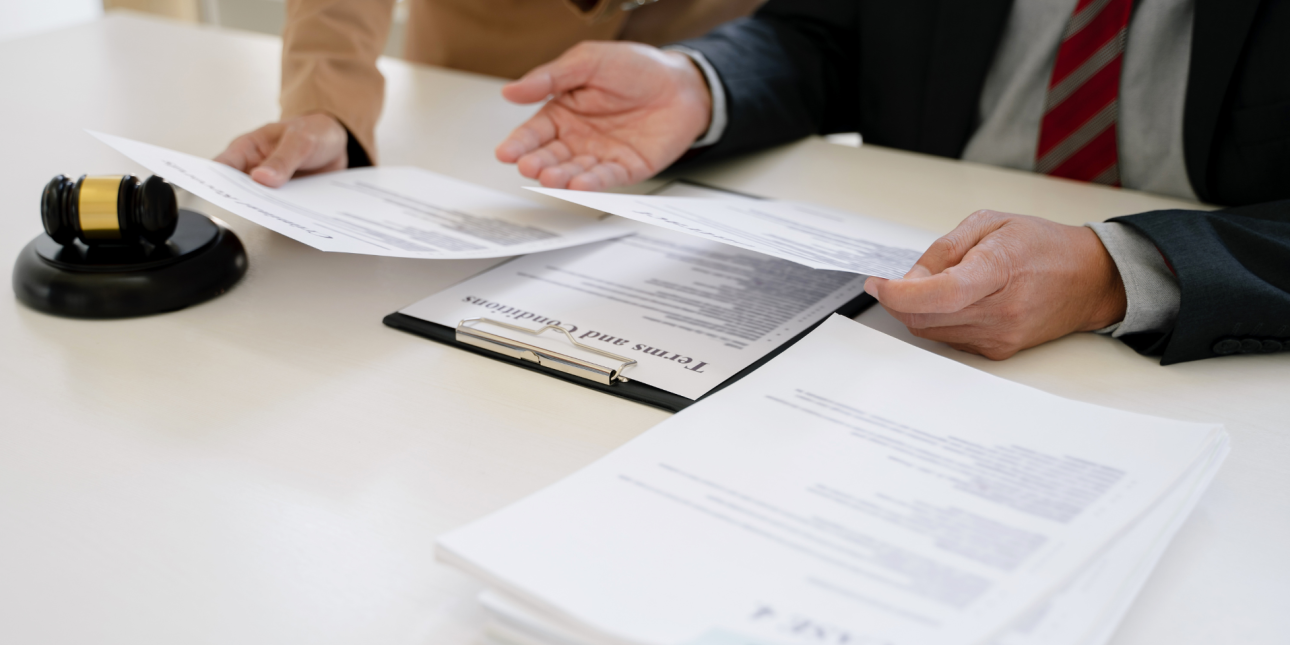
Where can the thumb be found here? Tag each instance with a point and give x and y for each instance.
(292, 150)
(949, 249)
(930, 287)
(568, 72)
(960, 269)
(247, 151)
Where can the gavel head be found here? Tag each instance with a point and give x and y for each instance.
(110, 210)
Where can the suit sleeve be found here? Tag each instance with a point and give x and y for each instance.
(787, 72)
(329, 52)
(1233, 270)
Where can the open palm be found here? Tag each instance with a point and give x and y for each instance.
(618, 114)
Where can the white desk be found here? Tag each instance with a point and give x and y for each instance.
(273, 466)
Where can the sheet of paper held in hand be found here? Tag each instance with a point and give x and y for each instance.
(389, 211)
(874, 492)
(692, 312)
(816, 236)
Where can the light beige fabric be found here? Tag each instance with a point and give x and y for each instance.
(330, 47)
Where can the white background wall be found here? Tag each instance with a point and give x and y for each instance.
(22, 17)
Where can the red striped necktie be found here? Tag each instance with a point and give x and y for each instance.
(1077, 138)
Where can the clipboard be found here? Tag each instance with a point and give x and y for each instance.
(603, 376)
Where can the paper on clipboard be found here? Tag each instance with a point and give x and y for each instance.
(690, 312)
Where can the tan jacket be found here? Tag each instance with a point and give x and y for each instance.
(330, 47)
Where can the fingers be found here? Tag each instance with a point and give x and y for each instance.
(539, 155)
(585, 172)
(950, 249)
(559, 176)
(967, 316)
(570, 71)
(532, 87)
(248, 150)
(555, 166)
(292, 150)
(975, 340)
(957, 270)
(1010, 284)
(978, 276)
(550, 155)
(602, 176)
(237, 155)
(530, 136)
(968, 332)
(273, 153)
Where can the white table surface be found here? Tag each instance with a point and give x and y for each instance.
(273, 466)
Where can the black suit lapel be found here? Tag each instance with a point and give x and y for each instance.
(964, 41)
(1217, 40)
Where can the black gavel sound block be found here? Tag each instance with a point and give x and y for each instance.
(116, 247)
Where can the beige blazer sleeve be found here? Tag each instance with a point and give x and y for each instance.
(329, 52)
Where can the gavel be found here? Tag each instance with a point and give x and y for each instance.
(109, 210)
(116, 246)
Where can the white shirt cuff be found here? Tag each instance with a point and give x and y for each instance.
(717, 126)
(1152, 289)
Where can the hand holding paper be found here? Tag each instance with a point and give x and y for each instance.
(1000, 283)
(390, 211)
(997, 284)
(276, 152)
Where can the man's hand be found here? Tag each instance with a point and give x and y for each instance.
(619, 113)
(1000, 283)
(302, 145)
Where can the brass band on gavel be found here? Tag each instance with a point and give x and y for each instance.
(98, 205)
(109, 209)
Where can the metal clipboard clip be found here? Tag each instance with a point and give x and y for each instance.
(544, 357)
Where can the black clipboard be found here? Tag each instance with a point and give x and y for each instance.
(612, 383)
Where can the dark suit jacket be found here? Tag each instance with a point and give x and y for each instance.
(909, 75)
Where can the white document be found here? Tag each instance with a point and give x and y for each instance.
(1089, 608)
(854, 490)
(691, 313)
(818, 237)
(396, 212)
(1086, 612)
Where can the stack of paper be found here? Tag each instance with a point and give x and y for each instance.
(854, 490)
